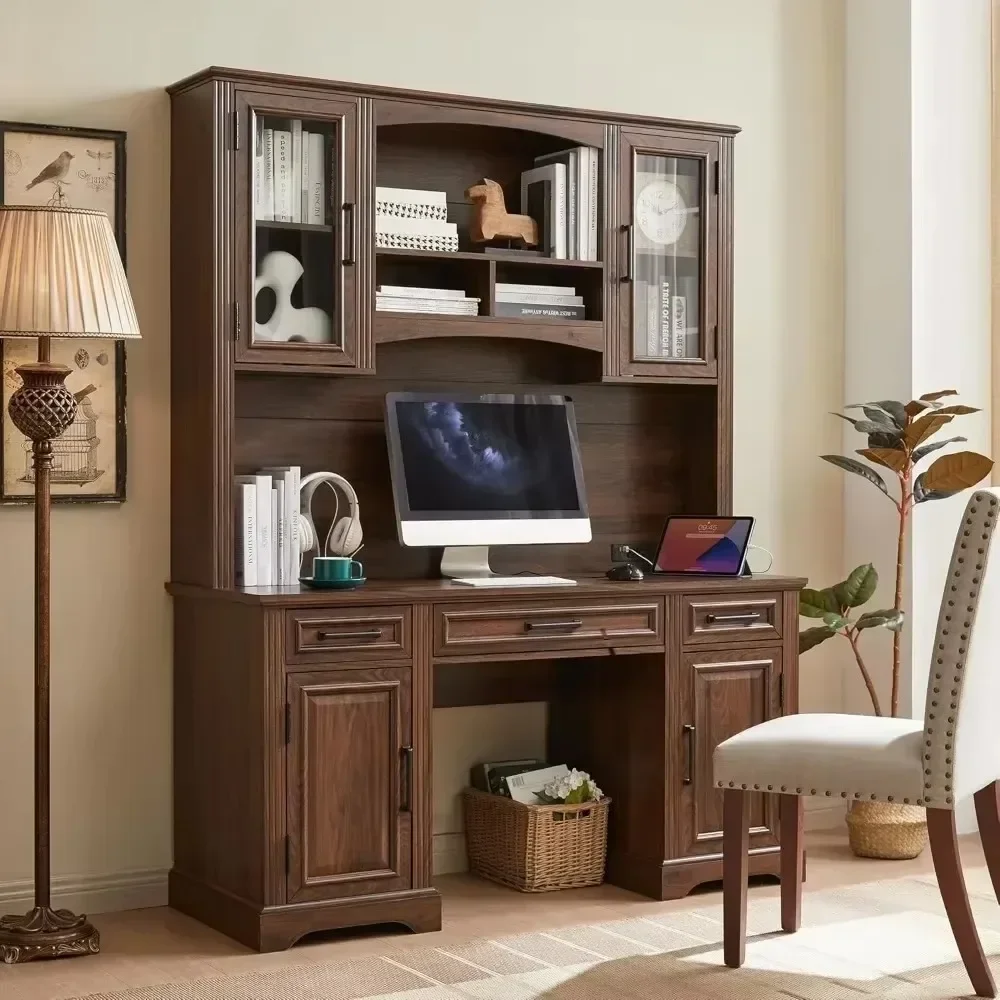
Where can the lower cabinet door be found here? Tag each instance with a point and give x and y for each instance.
(350, 779)
(721, 693)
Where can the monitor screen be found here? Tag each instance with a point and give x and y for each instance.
(715, 545)
(484, 458)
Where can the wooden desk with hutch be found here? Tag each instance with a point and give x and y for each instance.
(302, 720)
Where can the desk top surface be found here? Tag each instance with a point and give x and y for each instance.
(440, 591)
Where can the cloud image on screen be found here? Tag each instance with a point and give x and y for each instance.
(477, 456)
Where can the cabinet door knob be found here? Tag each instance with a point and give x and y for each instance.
(406, 753)
(689, 769)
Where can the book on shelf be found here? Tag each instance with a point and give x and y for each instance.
(262, 507)
(410, 203)
(280, 534)
(296, 170)
(530, 310)
(507, 288)
(402, 241)
(580, 199)
(670, 322)
(540, 298)
(412, 291)
(289, 476)
(282, 175)
(551, 222)
(316, 200)
(304, 179)
(443, 307)
(246, 536)
(289, 174)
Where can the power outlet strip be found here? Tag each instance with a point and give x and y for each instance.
(619, 552)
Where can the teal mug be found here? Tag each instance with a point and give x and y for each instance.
(335, 569)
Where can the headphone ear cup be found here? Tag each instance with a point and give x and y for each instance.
(345, 538)
(307, 533)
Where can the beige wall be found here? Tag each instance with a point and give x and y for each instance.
(772, 66)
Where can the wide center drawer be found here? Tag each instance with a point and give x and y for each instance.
(325, 635)
(486, 629)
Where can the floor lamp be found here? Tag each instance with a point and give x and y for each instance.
(60, 276)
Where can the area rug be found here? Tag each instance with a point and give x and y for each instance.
(886, 939)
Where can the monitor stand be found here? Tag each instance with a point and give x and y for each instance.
(470, 565)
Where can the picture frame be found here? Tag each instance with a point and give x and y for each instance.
(82, 168)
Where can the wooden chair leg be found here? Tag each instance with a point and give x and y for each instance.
(951, 882)
(792, 857)
(735, 871)
(988, 814)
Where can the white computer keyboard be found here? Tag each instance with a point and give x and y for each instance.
(515, 581)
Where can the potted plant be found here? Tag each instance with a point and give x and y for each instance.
(898, 437)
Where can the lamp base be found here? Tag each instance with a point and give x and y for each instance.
(46, 933)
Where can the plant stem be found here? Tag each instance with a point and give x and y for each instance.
(905, 505)
(852, 638)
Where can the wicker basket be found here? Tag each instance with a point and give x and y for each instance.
(536, 848)
(886, 830)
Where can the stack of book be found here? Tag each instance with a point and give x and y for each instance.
(671, 316)
(561, 195)
(410, 219)
(539, 301)
(289, 170)
(267, 527)
(441, 301)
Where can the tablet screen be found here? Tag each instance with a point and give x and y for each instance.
(715, 545)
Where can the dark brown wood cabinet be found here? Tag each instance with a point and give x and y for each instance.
(302, 720)
(350, 783)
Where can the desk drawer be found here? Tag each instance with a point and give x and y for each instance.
(323, 635)
(488, 630)
(710, 619)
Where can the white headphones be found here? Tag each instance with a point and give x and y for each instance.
(345, 534)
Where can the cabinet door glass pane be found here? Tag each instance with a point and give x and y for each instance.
(666, 255)
(295, 231)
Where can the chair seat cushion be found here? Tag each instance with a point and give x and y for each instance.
(848, 756)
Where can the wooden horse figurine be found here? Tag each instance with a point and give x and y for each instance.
(491, 217)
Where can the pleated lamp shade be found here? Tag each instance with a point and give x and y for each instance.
(61, 275)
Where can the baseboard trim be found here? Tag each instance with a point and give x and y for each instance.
(824, 817)
(133, 890)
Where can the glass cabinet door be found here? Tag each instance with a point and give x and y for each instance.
(299, 200)
(669, 247)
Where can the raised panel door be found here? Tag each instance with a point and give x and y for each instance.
(349, 783)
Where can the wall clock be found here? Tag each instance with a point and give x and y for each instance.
(661, 212)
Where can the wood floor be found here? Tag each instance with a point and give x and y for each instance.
(145, 947)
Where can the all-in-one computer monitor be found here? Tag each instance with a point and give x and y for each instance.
(473, 471)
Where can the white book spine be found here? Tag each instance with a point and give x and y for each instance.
(246, 569)
(537, 298)
(507, 287)
(262, 487)
(652, 321)
(273, 537)
(411, 292)
(317, 179)
(592, 195)
(678, 325)
(267, 177)
(666, 344)
(282, 175)
(296, 170)
(582, 169)
(559, 205)
(440, 306)
(414, 227)
(258, 166)
(572, 205)
(296, 546)
(282, 540)
(411, 196)
(304, 180)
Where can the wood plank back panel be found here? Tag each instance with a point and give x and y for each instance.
(635, 443)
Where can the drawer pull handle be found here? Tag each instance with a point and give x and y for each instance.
(406, 753)
(689, 770)
(747, 617)
(567, 626)
(368, 635)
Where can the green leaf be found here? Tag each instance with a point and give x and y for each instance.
(813, 637)
(858, 588)
(957, 471)
(858, 468)
(925, 449)
(816, 603)
(865, 426)
(889, 458)
(886, 440)
(836, 622)
(959, 409)
(895, 410)
(932, 396)
(888, 618)
(921, 494)
(923, 427)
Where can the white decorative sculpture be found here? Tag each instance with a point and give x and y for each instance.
(280, 272)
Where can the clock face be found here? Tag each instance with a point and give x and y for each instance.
(660, 212)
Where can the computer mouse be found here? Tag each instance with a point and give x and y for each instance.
(625, 571)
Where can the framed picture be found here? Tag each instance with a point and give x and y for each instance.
(78, 168)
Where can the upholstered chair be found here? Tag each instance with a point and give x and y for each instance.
(935, 762)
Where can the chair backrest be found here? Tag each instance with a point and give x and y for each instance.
(961, 751)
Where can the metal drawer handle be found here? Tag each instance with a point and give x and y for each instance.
(368, 635)
(567, 626)
(407, 782)
(747, 617)
(689, 772)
